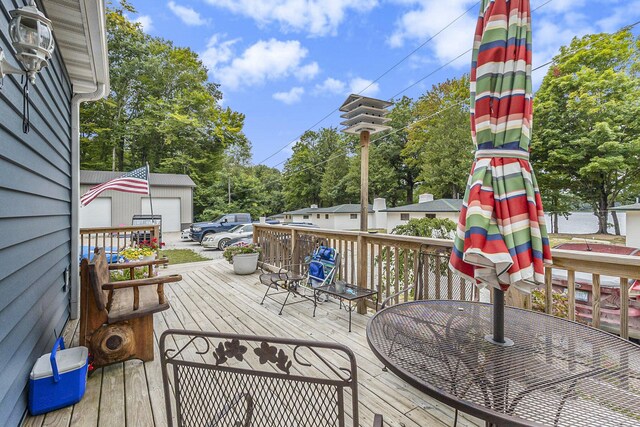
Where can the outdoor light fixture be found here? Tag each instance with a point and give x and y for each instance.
(364, 116)
(32, 38)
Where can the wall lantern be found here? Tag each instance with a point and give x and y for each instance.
(32, 38)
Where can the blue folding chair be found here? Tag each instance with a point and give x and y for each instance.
(318, 270)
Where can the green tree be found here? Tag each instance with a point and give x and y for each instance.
(437, 228)
(587, 122)
(440, 139)
(161, 109)
(312, 174)
(391, 146)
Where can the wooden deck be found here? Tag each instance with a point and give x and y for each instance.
(211, 297)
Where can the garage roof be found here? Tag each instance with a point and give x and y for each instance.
(157, 179)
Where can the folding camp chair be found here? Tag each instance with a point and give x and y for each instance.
(319, 269)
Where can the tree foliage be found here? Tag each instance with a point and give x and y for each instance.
(440, 140)
(587, 123)
(437, 228)
(163, 110)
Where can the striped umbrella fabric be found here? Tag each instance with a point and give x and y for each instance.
(136, 181)
(501, 238)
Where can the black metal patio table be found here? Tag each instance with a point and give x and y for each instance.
(350, 293)
(557, 373)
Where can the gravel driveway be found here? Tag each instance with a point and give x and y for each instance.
(173, 241)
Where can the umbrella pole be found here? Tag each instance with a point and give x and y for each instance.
(498, 320)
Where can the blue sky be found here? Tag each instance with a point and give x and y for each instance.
(286, 64)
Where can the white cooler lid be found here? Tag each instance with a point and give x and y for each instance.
(67, 360)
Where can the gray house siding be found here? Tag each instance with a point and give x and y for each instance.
(35, 222)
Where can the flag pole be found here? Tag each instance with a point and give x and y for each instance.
(150, 199)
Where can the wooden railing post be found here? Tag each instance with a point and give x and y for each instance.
(548, 290)
(624, 308)
(595, 302)
(294, 250)
(363, 257)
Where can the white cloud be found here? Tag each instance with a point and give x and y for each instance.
(291, 97)
(330, 86)
(308, 72)
(186, 14)
(217, 52)
(418, 25)
(145, 22)
(367, 87)
(263, 61)
(317, 17)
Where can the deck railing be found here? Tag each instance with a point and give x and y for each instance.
(389, 264)
(114, 239)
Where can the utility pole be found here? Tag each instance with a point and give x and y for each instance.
(364, 116)
(229, 189)
(364, 180)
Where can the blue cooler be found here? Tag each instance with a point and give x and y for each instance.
(58, 379)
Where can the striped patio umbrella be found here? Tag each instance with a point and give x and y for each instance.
(501, 239)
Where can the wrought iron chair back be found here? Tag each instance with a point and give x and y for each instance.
(219, 379)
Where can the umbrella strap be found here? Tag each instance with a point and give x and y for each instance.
(505, 154)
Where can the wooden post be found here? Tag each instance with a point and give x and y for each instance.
(364, 180)
(362, 270)
(294, 250)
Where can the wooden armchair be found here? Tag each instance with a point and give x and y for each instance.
(116, 319)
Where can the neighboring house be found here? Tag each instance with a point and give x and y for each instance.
(632, 223)
(347, 217)
(39, 189)
(172, 198)
(426, 207)
(340, 217)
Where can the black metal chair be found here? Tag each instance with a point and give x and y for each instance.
(219, 379)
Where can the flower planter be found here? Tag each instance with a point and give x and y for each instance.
(149, 257)
(245, 263)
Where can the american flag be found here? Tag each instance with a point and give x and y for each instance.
(136, 181)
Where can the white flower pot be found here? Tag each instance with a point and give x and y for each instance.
(149, 257)
(245, 263)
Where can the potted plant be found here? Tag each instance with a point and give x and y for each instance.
(150, 249)
(243, 257)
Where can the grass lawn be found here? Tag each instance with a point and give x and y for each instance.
(181, 256)
(556, 239)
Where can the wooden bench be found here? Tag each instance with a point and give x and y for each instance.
(116, 318)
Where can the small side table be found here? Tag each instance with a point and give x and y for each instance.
(351, 293)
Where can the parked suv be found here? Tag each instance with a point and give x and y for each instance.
(224, 223)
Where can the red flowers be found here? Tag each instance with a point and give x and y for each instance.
(153, 244)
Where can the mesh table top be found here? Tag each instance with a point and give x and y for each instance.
(558, 372)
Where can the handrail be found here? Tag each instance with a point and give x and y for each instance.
(115, 238)
(386, 262)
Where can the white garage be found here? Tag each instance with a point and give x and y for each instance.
(172, 196)
(96, 213)
(169, 208)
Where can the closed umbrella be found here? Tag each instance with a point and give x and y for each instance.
(501, 239)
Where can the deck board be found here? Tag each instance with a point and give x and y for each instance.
(211, 297)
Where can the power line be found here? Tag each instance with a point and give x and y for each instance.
(377, 79)
(625, 28)
(392, 68)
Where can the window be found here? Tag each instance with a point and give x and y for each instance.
(429, 215)
(318, 216)
(353, 216)
(404, 217)
(305, 216)
(326, 216)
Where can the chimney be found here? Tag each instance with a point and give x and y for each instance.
(314, 206)
(425, 198)
(380, 218)
(379, 204)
